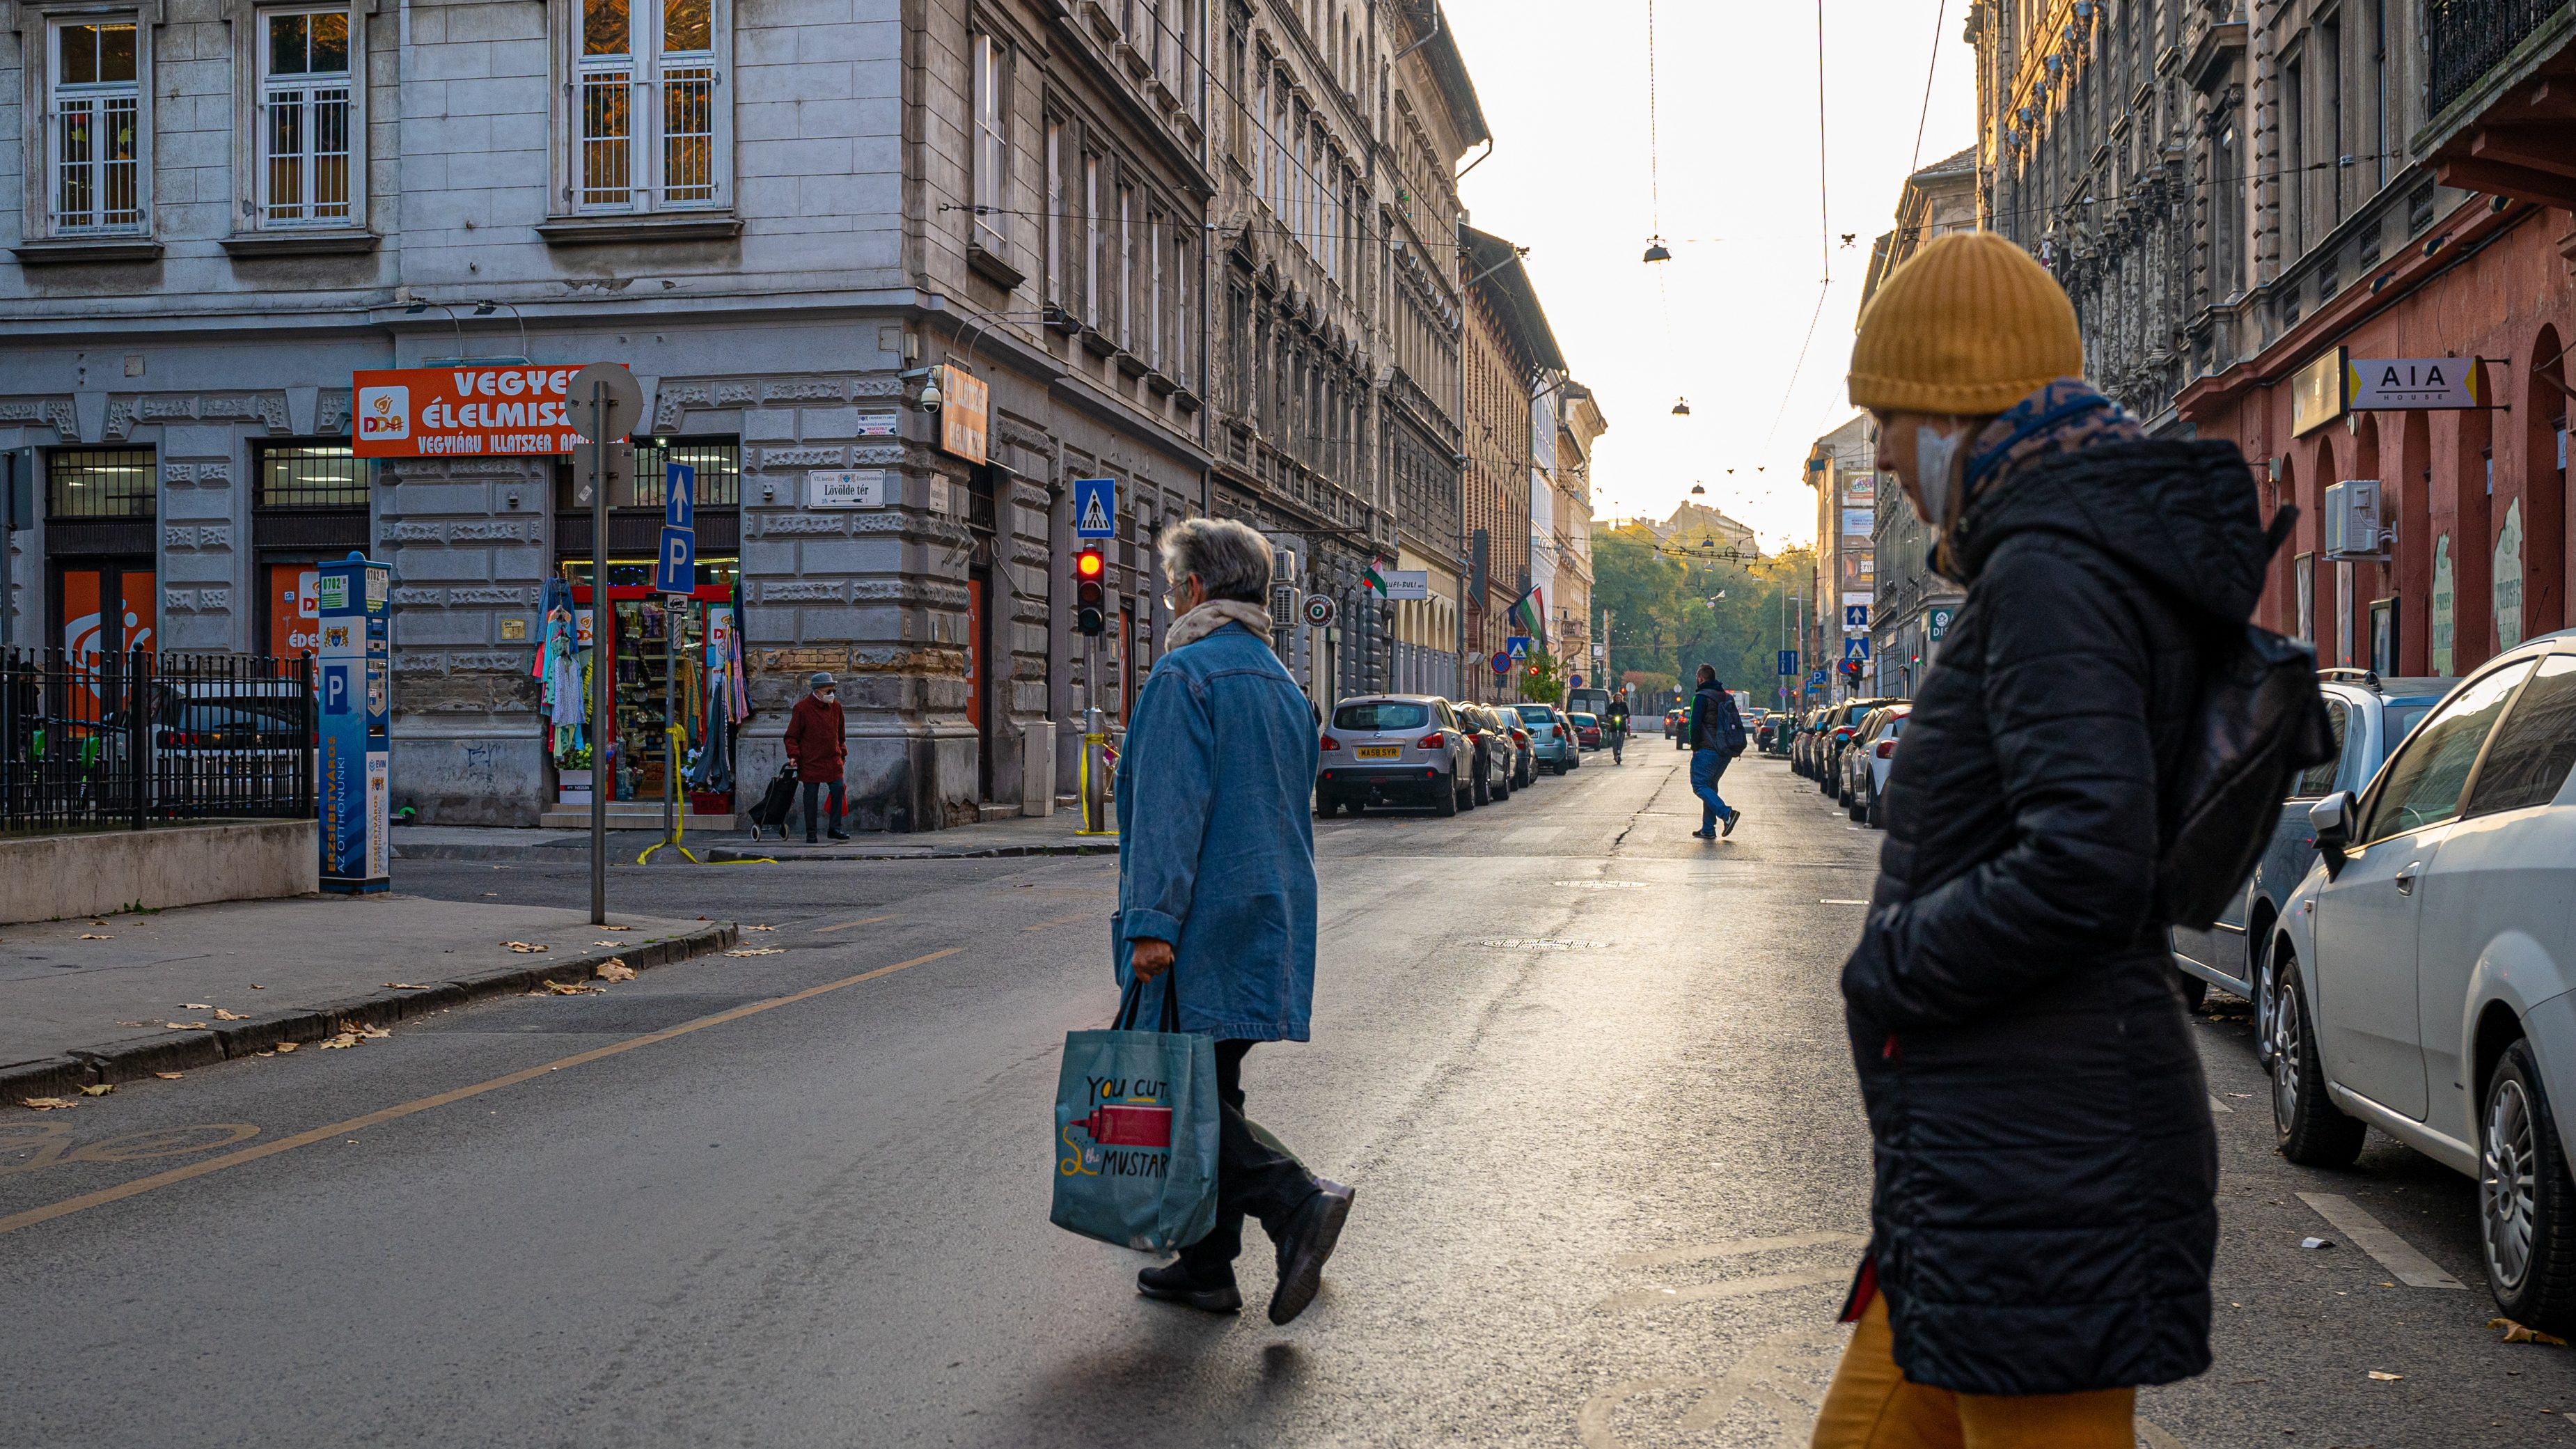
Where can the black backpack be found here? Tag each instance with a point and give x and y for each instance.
(2260, 720)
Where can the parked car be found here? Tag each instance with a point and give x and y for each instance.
(1494, 751)
(1588, 700)
(1587, 730)
(1395, 749)
(1551, 737)
(1524, 770)
(1832, 733)
(2425, 971)
(1866, 763)
(2370, 716)
(1807, 751)
(1675, 720)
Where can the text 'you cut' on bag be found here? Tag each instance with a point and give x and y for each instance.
(1135, 1132)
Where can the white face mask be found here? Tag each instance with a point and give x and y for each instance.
(1935, 478)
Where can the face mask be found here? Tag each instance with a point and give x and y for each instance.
(1934, 453)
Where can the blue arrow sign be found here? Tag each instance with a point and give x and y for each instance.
(1095, 508)
(1788, 661)
(680, 497)
(1855, 616)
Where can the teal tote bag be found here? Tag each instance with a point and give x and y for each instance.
(1135, 1131)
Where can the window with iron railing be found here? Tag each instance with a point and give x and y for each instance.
(309, 475)
(648, 133)
(307, 117)
(94, 128)
(102, 483)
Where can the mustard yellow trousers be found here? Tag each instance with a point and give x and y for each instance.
(1871, 1406)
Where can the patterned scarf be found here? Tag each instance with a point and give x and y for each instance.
(1213, 615)
(2066, 416)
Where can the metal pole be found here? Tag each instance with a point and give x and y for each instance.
(671, 710)
(603, 667)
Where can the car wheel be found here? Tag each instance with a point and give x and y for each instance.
(2526, 1200)
(1482, 792)
(1503, 788)
(1445, 803)
(2311, 1131)
(2262, 984)
(2194, 991)
(1853, 807)
(1356, 807)
(1877, 817)
(1323, 808)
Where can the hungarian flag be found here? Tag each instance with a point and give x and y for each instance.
(1371, 578)
(1529, 613)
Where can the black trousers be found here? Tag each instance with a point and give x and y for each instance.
(1256, 1174)
(813, 788)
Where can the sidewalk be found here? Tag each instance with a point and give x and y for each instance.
(111, 998)
(1005, 836)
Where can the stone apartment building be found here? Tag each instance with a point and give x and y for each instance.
(771, 215)
(2247, 199)
(1571, 419)
(1508, 349)
(1841, 467)
(1335, 320)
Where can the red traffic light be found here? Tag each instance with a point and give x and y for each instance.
(1088, 564)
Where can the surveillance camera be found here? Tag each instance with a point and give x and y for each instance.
(1457, 460)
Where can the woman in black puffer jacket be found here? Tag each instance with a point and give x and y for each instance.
(2044, 1212)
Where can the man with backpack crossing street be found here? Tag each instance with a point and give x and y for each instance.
(1716, 735)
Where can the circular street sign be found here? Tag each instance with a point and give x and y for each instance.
(625, 399)
(1503, 663)
(1319, 610)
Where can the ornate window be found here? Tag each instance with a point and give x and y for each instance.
(648, 131)
(94, 128)
(307, 118)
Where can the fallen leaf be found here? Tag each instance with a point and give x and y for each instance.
(405, 986)
(196, 1006)
(223, 1015)
(169, 1076)
(98, 1089)
(759, 951)
(98, 923)
(2516, 1333)
(760, 928)
(344, 1039)
(603, 943)
(2385, 1376)
(617, 928)
(523, 947)
(47, 1104)
(255, 986)
(564, 988)
(286, 1046)
(95, 936)
(187, 1026)
(613, 969)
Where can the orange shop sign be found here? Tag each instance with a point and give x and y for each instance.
(438, 412)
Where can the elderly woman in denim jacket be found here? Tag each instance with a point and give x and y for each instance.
(1216, 892)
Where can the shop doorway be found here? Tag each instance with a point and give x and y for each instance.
(105, 605)
(674, 660)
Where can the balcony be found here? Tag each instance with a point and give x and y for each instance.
(2502, 95)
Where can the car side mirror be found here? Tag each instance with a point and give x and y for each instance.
(2331, 819)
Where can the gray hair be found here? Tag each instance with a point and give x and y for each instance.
(1232, 561)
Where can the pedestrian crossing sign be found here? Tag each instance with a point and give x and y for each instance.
(1855, 649)
(1095, 508)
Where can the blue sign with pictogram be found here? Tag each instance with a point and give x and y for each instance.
(680, 497)
(1502, 664)
(675, 566)
(1856, 649)
(1095, 508)
(1788, 661)
(1518, 646)
(1855, 616)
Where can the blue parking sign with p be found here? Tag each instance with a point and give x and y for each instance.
(335, 689)
(676, 570)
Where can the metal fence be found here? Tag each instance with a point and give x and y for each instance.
(2466, 39)
(119, 741)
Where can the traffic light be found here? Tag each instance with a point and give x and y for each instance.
(1089, 571)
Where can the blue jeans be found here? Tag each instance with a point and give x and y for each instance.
(1706, 766)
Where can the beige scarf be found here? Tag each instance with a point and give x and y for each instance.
(1213, 615)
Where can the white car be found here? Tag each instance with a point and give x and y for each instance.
(1867, 760)
(2427, 968)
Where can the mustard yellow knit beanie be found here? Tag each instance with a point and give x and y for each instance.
(1970, 325)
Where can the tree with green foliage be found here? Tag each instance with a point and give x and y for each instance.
(1678, 605)
(1542, 678)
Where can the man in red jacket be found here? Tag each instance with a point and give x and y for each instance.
(818, 741)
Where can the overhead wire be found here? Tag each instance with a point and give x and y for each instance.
(1824, 240)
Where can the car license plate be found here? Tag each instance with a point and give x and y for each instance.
(1379, 752)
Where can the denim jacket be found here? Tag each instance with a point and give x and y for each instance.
(1216, 839)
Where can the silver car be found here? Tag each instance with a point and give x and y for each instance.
(1395, 749)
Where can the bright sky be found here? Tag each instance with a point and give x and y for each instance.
(1564, 88)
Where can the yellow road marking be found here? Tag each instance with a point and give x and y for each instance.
(845, 925)
(176, 1175)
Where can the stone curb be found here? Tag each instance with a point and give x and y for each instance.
(989, 852)
(179, 1051)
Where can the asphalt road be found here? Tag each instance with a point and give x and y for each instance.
(1588, 1075)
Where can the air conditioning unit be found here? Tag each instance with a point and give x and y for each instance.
(2354, 528)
